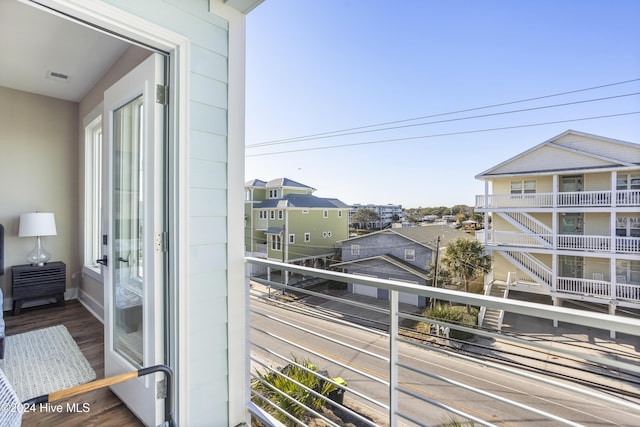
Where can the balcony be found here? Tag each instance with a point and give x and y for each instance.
(394, 375)
(582, 199)
(574, 242)
(599, 288)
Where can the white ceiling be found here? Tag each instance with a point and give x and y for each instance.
(34, 43)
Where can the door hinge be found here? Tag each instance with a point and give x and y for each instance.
(162, 94)
(162, 242)
(161, 389)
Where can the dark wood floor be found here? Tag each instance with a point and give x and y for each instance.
(104, 407)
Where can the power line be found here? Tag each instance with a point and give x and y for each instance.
(326, 147)
(451, 112)
(444, 121)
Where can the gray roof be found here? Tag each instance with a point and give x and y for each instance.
(301, 201)
(391, 260)
(286, 182)
(425, 235)
(255, 183)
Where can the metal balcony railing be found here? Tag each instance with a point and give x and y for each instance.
(383, 371)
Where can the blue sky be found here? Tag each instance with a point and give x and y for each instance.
(315, 67)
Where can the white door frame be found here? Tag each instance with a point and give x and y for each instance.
(96, 14)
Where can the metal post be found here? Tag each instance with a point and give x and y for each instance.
(393, 358)
(432, 303)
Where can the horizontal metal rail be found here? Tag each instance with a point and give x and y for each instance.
(579, 317)
(393, 339)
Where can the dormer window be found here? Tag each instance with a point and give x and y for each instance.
(273, 194)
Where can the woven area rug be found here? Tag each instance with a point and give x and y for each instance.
(43, 361)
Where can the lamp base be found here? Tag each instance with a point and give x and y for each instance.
(38, 256)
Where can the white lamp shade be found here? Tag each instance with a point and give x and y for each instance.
(37, 224)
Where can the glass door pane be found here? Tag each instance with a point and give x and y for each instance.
(128, 229)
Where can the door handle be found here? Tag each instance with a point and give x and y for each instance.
(121, 259)
(102, 260)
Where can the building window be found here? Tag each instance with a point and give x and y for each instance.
(410, 254)
(527, 186)
(325, 214)
(272, 214)
(305, 211)
(355, 250)
(307, 237)
(280, 214)
(628, 182)
(276, 242)
(339, 214)
(628, 226)
(93, 193)
(273, 194)
(292, 238)
(262, 214)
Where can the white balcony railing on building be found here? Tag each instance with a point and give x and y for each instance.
(565, 199)
(584, 243)
(575, 242)
(628, 198)
(397, 379)
(629, 291)
(628, 244)
(533, 200)
(573, 285)
(510, 238)
(600, 288)
(585, 198)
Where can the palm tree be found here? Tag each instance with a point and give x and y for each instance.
(466, 258)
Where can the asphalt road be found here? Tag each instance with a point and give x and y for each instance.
(365, 359)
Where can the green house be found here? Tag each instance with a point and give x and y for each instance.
(284, 221)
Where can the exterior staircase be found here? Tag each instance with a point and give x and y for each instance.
(492, 318)
(541, 276)
(542, 233)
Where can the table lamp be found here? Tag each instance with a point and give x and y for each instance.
(37, 224)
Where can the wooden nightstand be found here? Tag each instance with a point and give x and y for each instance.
(32, 282)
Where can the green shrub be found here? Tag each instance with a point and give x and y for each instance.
(284, 382)
(454, 315)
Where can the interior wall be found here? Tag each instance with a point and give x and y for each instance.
(38, 172)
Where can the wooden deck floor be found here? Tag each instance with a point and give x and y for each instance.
(105, 409)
